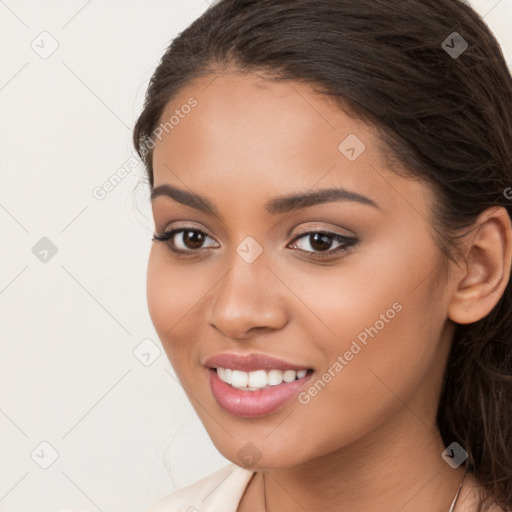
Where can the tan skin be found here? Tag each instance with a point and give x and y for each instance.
(368, 440)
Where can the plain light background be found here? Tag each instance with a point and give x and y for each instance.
(73, 375)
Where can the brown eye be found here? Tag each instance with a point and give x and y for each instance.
(322, 241)
(193, 239)
(183, 240)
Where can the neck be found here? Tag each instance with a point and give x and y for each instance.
(381, 472)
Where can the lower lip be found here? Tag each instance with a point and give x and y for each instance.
(253, 404)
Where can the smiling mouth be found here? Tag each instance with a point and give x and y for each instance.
(259, 379)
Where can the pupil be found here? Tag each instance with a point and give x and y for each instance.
(193, 238)
(323, 239)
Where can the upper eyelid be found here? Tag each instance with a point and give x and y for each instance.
(306, 231)
(315, 229)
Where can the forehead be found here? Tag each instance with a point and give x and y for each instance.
(244, 118)
(254, 136)
(264, 107)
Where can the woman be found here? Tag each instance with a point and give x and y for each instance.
(330, 184)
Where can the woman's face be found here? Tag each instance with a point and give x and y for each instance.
(366, 314)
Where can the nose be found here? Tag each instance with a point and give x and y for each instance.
(248, 298)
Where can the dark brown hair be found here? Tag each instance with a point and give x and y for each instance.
(443, 118)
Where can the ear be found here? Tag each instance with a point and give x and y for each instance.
(484, 274)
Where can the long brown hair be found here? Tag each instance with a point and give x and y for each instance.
(444, 113)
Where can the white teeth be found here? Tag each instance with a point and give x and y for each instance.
(225, 374)
(258, 379)
(289, 375)
(274, 377)
(239, 379)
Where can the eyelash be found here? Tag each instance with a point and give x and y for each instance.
(347, 242)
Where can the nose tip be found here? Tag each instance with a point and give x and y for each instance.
(245, 303)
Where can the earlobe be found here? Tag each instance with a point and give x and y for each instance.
(486, 268)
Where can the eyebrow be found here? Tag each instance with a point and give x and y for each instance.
(278, 205)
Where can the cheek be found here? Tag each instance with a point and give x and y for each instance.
(385, 323)
(161, 295)
(173, 291)
(348, 400)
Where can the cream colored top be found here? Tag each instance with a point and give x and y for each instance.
(219, 492)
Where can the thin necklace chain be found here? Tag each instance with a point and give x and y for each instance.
(452, 507)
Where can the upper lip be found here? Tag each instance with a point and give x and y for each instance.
(250, 362)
